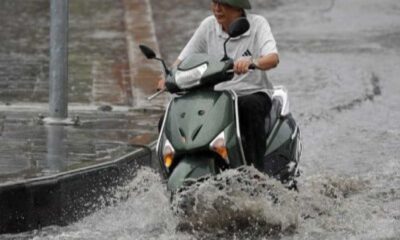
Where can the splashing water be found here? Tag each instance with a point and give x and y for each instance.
(141, 211)
(241, 202)
(238, 204)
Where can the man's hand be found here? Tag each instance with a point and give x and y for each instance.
(241, 65)
(161, 83)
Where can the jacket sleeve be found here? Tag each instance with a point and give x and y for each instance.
(265, 39)
(198, 42)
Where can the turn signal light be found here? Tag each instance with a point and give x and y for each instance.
(168, 160)
(218, 145)
(222, 151)
(168, 154)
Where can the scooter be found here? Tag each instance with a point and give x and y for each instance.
(200, 132)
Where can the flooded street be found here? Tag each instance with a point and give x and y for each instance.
(340, 62)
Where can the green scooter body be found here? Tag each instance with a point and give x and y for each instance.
(200, 116)
(191, 123)
(194, 120)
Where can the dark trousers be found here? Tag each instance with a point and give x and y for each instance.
(253, 109)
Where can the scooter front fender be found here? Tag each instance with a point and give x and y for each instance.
(191, 167)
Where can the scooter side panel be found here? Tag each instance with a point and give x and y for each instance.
(282, 148)
(233, 142)
(281, 133)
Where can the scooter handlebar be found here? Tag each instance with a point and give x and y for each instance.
(251, 67)
(156, 94)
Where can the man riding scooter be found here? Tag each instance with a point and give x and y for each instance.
(258, 47)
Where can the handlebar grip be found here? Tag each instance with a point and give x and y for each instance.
(252, 66)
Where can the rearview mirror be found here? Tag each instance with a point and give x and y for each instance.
(148, 52)
(238, 27)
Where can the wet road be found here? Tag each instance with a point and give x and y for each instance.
(105, 87)
(340, 61)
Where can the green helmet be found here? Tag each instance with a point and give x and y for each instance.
(237, 3)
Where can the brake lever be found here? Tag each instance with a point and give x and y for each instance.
(156, 94)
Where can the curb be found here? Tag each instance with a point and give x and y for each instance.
(66, 197)
(69, 196)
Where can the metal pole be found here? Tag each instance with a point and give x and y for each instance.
(57, 155)
(58, 99)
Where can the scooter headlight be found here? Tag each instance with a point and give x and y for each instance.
(190, 78)
(218, 145)
(168, 154)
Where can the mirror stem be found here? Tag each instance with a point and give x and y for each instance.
(226, 55)
(167, 71)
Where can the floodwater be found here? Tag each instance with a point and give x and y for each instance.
(340, 61)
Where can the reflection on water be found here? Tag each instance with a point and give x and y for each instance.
(30, 150)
